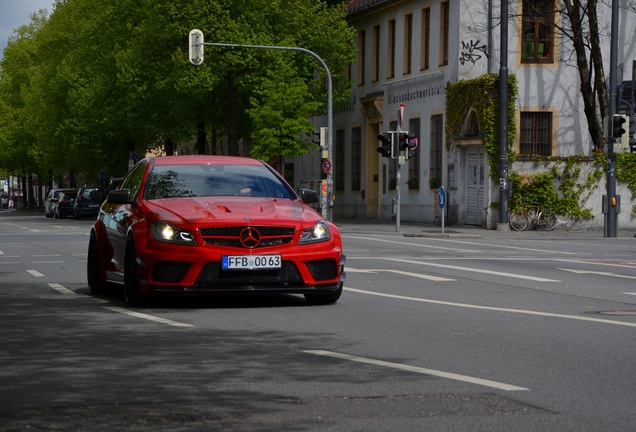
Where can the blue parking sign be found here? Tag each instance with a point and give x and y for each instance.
(441, 197)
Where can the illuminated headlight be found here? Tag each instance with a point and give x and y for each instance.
(164, 232)
(317, 233)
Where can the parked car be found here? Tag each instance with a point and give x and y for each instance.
(87, 203)
(50, 201)
(204, 225)
(64, 205)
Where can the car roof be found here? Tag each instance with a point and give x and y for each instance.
(204, 159)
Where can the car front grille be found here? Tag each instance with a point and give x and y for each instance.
(231, 236)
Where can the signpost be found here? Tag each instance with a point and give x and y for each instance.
(441, 199)
(195, 47)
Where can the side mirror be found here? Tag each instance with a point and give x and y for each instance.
(119, 196)
(309, 196)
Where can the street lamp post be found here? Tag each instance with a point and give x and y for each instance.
(329, 101)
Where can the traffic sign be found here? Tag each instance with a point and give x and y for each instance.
(441, 197)
(326, 166)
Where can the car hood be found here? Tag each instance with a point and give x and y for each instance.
(227, 210)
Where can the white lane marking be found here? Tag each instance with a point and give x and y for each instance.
(46, 262)
(62, 289)
(628, 293)
(147, 317)
(35, 273)
(492, 308)
(472, 270)
(608, 264)
(497, 246)
(40, 256)
(598, 273)
(414, 244)
(416, 275)
(420, 370)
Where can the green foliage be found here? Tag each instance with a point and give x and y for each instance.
(482, 95)
(561, 188)
(96, 79)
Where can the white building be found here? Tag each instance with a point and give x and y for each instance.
(407, 52)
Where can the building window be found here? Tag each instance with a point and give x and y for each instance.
(361, 56)
(425, 44)
(472, 126)
(444, 33)
(413, 179)
(339, 162)
(376, 53)
(535, 136)
(437, 145)
(537, 45)
(390, 66)
(408, 43)
(356, 158)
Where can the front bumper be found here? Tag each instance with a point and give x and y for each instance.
(307, 269)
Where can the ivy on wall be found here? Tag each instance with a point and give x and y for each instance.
(482, 95)
(560, 187)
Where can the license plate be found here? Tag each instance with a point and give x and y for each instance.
(250, 262)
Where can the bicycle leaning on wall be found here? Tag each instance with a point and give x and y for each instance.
(532, 216)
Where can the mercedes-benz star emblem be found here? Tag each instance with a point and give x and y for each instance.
(250, 237)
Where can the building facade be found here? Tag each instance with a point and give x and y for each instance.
(407, 52)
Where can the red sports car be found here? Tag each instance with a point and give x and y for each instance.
(182, 225)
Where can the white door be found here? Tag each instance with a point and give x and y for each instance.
(475, 173)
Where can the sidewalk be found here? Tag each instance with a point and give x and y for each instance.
(410, 229)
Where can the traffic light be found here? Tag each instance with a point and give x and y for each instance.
(411, 145)
(322, 137)
(386, 149)
(632, 134)
(617, 125)
(195, 41)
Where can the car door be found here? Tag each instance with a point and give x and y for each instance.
(117, 219)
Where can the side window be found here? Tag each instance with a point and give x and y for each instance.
(134, 178)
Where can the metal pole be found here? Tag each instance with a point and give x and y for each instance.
(611, 216)
(329, 110)
(503, 117)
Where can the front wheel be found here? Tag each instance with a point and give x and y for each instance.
(96, 283)
(132, 292)
(518, 220)
(547, 220)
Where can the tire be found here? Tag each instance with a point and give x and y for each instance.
(96, 283)
(323, 299)
(518, 220)
(132, 293)
(547, 220)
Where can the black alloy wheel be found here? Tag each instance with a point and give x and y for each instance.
(132, 293)
(96, 284)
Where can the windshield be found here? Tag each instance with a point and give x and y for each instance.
(177, 181)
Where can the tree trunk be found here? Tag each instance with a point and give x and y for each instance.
(201, 139)
(232, 145)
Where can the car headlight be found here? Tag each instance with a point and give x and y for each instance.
(317, 233)
(167, 233)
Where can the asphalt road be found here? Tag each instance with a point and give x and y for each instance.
(468, 333)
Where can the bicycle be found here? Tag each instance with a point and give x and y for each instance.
(536, 215)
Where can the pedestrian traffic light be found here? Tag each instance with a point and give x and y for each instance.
(411, 145)
(617, 125)
(386, 148)
(322, 137)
